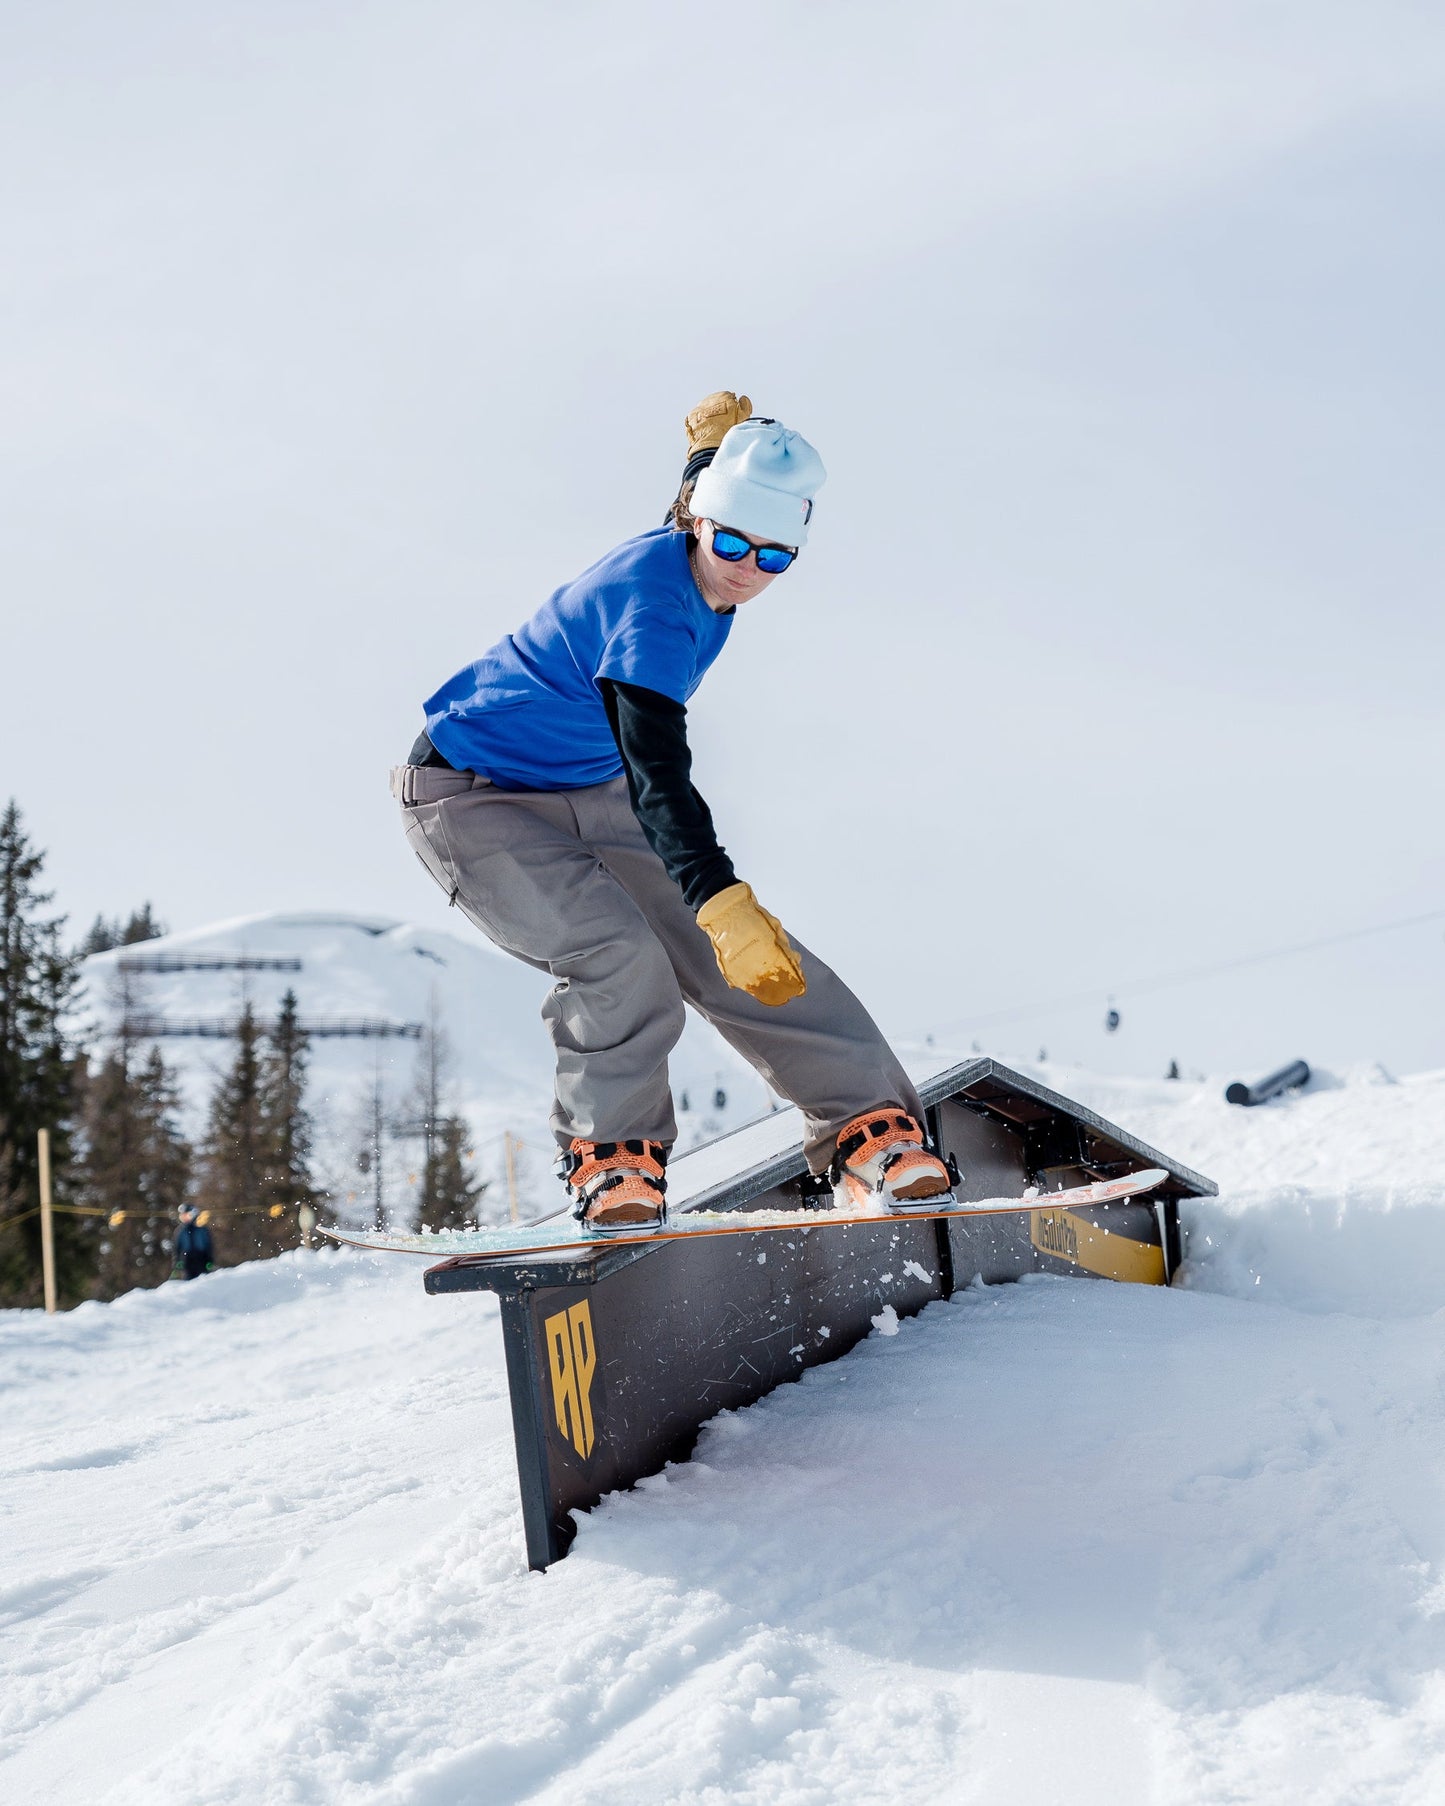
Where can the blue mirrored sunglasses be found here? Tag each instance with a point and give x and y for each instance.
(735, 548)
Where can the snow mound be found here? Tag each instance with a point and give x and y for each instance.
(1057, 1540)
(1366, 1250)
(1332, 1198)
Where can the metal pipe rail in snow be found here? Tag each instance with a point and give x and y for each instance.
(616, 1355)
(1288, 1078)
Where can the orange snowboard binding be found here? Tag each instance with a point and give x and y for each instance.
(616, 1185)
(883, 1156)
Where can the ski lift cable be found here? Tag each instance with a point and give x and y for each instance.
(1186, 975)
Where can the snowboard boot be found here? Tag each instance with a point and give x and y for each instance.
(882, 1157)
(616, 1185)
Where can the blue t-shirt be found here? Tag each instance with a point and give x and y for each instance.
(529, 715)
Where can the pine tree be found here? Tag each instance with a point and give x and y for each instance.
(105, 935)
(135, 1167)
(256, 1163)
(37, 1077)
(371, 1155)
(421, 1115)
(449, 1194)
(234, 1152)
(142, 926)
(286, 1181)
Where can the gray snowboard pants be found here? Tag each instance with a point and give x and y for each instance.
(565, 880)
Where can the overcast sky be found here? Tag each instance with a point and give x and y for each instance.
(336, 336)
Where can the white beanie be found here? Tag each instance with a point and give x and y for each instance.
(761, 482)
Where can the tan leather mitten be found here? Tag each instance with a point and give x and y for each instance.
(713, 417)
(753, 953)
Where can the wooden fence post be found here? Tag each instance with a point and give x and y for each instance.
(47, 1229)
(511, 1174)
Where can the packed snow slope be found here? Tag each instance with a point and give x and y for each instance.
(1057, 1541)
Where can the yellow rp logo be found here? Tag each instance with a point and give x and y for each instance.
(572, 1358)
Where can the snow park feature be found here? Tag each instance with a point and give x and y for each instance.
(620, 1348)
(1045, 1541)
(1288, 1078)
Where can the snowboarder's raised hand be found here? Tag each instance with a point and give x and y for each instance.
(714, 416)
(753, 953)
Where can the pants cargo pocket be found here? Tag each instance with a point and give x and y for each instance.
(427, 838)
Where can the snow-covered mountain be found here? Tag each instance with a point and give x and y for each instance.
(354, 973)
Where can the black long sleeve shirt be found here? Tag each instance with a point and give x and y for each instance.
(651, 734)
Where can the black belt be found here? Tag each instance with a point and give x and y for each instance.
(424, 753)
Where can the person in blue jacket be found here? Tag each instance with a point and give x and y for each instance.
(195, 1252)
(551, 797)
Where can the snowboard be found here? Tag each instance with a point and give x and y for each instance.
(563, 1234)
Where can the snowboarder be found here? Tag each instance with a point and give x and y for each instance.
(195, 1252)
(551, 797)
